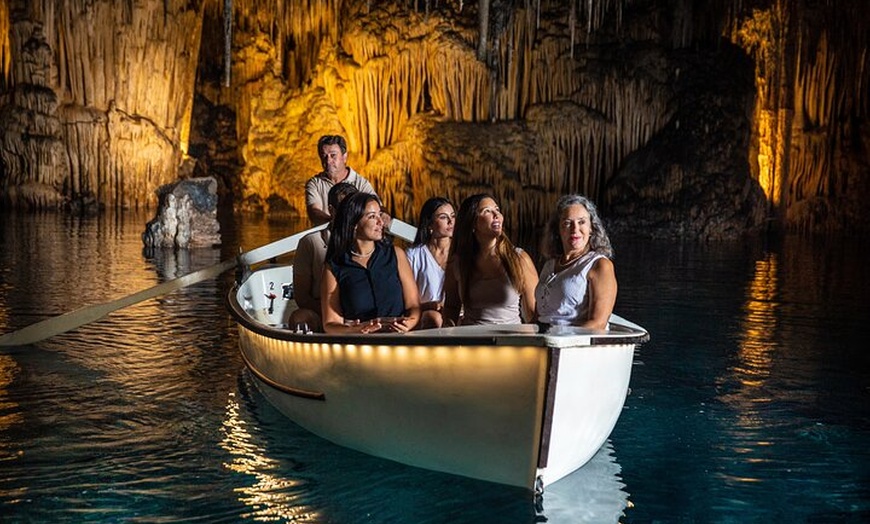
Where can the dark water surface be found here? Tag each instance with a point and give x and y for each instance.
(751, 403)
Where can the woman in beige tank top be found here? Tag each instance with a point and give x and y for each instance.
(488, 280)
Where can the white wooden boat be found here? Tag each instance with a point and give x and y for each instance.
(506, 404)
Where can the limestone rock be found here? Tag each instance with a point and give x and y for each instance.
(186, 215)
(693, 179)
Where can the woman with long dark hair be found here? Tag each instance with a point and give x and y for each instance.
(367, 282)
(428, 257)
(488, 280)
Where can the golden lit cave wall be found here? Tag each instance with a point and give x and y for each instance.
(5, 45)
(812, 81)
(104, 90)
(105, 87)
(374, 91)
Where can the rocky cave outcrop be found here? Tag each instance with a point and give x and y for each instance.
(186, 216)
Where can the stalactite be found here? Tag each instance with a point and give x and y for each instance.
(806, 86)
(572, 24)
(228, 41)
(463, 93)
(483, 30)
(374, 79)
(139, 62)
(589, 16)
(5, 45)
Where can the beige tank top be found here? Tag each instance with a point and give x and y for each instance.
(492, 301)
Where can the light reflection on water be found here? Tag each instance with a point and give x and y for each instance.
(750, 402)
(267, 496)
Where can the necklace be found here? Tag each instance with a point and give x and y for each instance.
(569, 261)
(362, 255)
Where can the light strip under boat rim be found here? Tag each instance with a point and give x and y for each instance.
(296, 392)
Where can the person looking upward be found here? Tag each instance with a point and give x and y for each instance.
(428, 257)
(577, 282)
(488, 280)
(332, 150)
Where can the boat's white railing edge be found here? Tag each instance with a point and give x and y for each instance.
(289, 244)
(622, 321)
(276, 248)
(621, 330)
(506, 335)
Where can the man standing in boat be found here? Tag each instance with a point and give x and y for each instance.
(332, 150)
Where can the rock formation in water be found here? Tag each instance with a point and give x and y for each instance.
(626, 101)
(186, 216)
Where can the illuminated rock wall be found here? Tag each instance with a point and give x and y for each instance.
(563, 96)
(811, 141)
(401, 85)
(100, 97)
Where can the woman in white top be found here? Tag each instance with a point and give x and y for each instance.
(577, 285)
(428, 257)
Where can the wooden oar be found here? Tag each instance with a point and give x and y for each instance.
(74, 319)
(68, 321)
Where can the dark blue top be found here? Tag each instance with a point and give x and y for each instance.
(371, 292)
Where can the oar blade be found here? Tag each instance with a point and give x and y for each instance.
(74, 319)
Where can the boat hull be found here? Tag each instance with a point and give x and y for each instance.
(506, 404)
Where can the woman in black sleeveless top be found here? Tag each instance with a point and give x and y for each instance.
(367, 282)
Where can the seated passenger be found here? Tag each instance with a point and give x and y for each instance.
(428, 257)
(367, 284)
(308, 266)
(578, 282)
(488, 280)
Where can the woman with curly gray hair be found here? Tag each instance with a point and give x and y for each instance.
(577, 284)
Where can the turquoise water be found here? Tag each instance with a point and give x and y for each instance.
(749, 404)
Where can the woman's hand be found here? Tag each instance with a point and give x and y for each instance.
(369, 326)
(399, 325)
(375, 325)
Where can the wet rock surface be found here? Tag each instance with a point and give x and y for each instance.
(186, 216)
